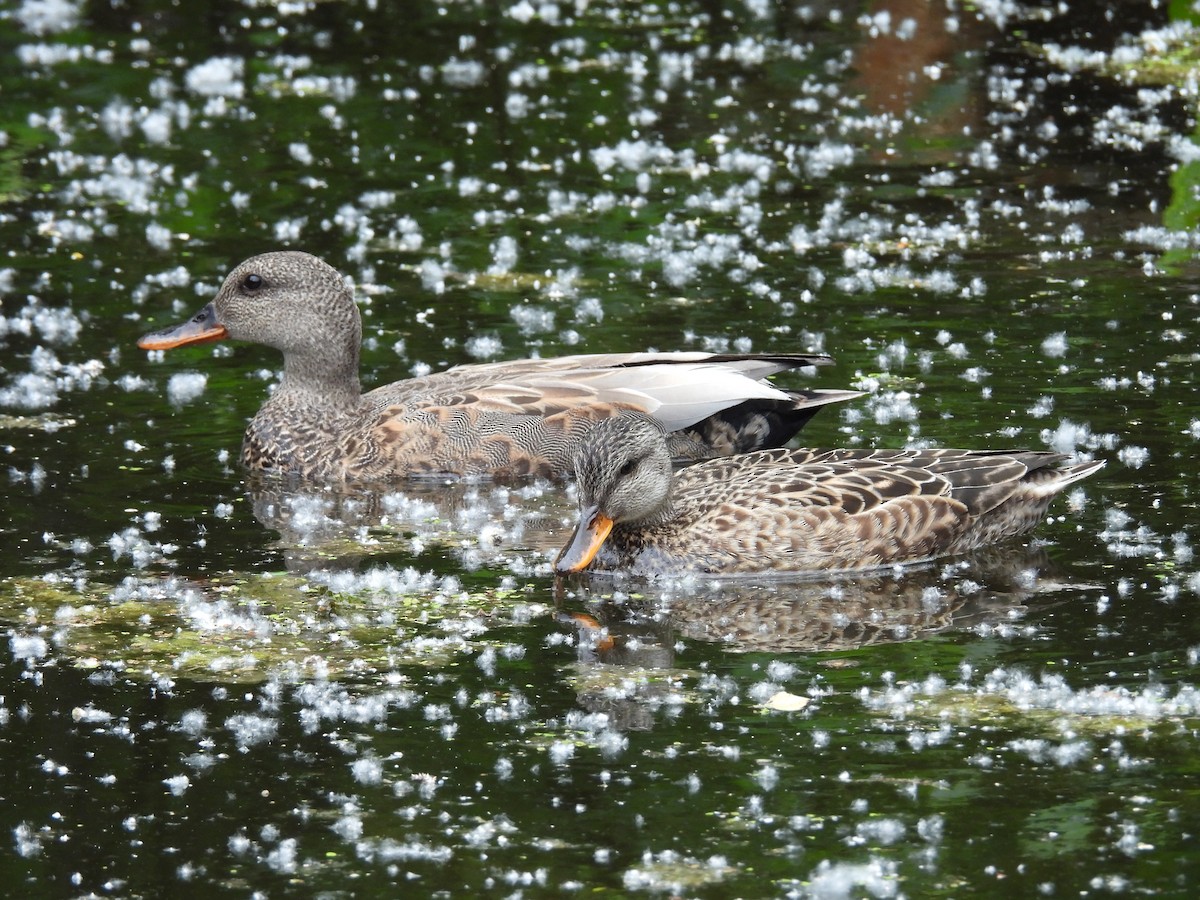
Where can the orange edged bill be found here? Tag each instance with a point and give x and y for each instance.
(589, 535)
(199, 329)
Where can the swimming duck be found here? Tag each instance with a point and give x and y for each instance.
(786, 510)
(521, 417)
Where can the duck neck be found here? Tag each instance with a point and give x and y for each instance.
(321, 379)
(662, 514)
(660, 517)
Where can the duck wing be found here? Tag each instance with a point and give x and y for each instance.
(679, 389)
(526, 409)
(833, 509)
(983, 480)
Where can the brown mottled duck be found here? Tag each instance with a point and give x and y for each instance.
(783, 510)
(521, 417)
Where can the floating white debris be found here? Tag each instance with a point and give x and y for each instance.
(1041, 408)
(184, 387)
(287, 231)
(504, 255)
(28, 646)
(284, 857)
(193, 723)
(1133, 456)
(882, 832)
(1067, 436)
(300, 151)
(484, 346)
(220, 76)
(158, 236)
(433, 275)
(348, 827)
(464, 73)
(532, 319)
(42, 17)
(633, 156)
(28, 840)
(877, 878)
(561, 751)
(29, 391)
(1041, 751)
(1055, 345)
(249, 729)
(368, 770)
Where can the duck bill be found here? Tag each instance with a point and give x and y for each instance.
(199, 329)
(589, 534)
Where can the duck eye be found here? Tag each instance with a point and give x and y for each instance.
(628, 468)
(252, 282)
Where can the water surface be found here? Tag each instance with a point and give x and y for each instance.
(214, 685)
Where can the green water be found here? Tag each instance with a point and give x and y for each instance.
(211, 687)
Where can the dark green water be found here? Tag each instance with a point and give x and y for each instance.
(209, 688)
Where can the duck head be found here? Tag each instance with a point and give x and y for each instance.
(288, 300)
(623, 468)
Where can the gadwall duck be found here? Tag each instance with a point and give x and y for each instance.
(514, 418)
(796, 510)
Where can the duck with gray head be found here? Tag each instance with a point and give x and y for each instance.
(521, 417)
(797, 510)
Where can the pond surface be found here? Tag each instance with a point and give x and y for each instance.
(985, 213)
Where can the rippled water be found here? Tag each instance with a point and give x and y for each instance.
(986, 214)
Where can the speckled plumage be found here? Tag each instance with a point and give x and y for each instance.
(798, 510)
(509, 419)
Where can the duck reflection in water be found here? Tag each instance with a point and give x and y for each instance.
(623, 628)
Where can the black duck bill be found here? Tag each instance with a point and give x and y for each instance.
(589, 535)
(201, 328)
